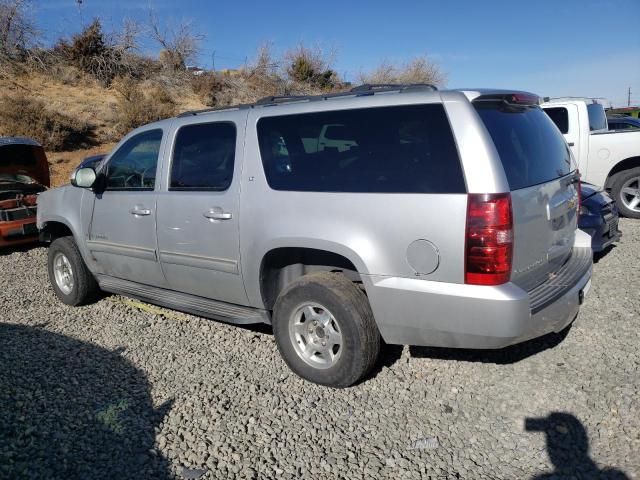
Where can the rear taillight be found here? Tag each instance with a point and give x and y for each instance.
(489, 241)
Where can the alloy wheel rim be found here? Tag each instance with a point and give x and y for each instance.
(63, 273)
(316, 335)
(630, 194)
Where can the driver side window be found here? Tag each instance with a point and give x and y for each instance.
(134, 165)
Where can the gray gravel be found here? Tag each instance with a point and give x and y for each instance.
(120, 389)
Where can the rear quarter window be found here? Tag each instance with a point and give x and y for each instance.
(400, 149)
(531, 148)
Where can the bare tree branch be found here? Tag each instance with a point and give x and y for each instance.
(180, 43)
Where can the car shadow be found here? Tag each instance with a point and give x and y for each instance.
(600, 255)
(502, 356)
(568, 448)
(70, 409)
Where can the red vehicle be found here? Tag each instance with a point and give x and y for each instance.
(24, 173)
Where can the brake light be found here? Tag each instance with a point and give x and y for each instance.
(524, 99)
(489, 239)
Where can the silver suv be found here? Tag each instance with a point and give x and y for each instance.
(395, 213)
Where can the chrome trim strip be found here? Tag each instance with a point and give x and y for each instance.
(124, 250)
(197, 261)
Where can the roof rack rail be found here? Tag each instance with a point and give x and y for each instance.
(189, 113)
(282, 99)
(376, 87)
(361, 90)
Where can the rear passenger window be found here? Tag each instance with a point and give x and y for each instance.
(405, 149)
(560, 117)
(203, 157)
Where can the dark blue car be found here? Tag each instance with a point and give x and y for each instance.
(598, 217)
(623, 123)
(93, 161)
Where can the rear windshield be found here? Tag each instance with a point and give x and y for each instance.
(531, 148)
(400, 149)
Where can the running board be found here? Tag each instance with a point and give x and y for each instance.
(184, 302)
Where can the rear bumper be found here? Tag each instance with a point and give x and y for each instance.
(418, 312)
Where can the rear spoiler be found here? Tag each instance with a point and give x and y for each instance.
(522, 99)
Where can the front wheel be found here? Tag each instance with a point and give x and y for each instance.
(626, 192)
(72, 281)
(325, 330)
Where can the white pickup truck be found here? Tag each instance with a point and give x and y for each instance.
(608, 159)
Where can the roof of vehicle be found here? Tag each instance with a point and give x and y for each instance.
(18, 141)
(574, 99)
(362, 91)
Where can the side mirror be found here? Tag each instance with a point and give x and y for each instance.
(84, 177)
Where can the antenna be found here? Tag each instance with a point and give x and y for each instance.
(79, 3)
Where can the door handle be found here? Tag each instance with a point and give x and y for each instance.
(217, 214)
(571, 144)
(140, 212)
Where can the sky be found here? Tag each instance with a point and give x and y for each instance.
(550, 47)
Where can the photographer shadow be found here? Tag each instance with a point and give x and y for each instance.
(71, 409)
(568, 449)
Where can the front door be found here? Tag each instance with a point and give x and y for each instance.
(122, 232)
(198, 225)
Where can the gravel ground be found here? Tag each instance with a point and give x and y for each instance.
(120, 389)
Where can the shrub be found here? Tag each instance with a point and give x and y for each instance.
(28, 117)
(135, 108)
(94, 53)
(418, 70)
(208, 87)
(311, 67)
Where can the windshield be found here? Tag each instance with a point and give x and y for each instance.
(531, 148)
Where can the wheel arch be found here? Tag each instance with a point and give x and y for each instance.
(282, 265)
(53, 229)
(626, 164)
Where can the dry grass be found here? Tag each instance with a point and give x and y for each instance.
(25, 116)
(83, 100)
(86, 102)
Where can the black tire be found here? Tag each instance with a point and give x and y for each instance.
(616, 191)
(84, 287)
(350, 308)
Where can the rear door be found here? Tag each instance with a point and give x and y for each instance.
(541, 176)
(198, 210)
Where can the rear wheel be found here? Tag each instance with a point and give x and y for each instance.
(626, 192)
(72, 281)
(325, 329)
